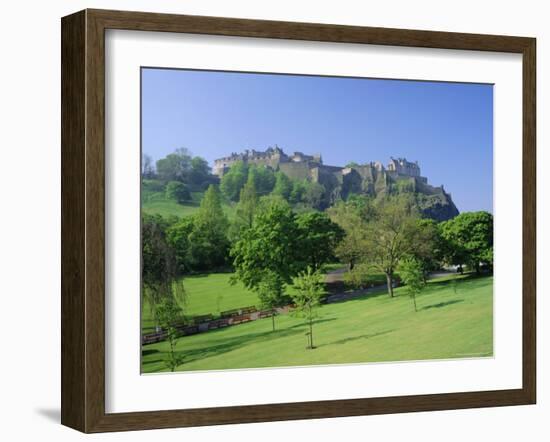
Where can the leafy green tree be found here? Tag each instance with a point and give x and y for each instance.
(175, 166)
(169, 314)
(469, 238)
(318, 238)
(264, 257)
(392, 234)
(429, 251)
(270, 290)
(297, 192)
(246, 209)
(309, 289)
(199, 174)
(283, 185)
(208, 242)
(361, 203)
(233, 181)
(267, 202)
(348, 216)
(159, 273)
(177, 236)
(248, 204)
(147, 167)
(263, 178)
(176, 190)
(358, 277)
(314, 194)
(270, 244)
(412, 274)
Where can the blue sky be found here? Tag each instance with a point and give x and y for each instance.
(446, 127)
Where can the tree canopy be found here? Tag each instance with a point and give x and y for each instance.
(159, 272)
(393, 233)
(412, 274)
(208, 242)
(248, 204)
(283, 185)
(318, 238)
(178, 191)
(233, 180)
(268, 246)
(349, 217)
(263, 178)
(175, 166)
(183, 167)
(469, 238)
(308, 291)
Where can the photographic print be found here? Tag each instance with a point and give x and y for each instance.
(301, 220)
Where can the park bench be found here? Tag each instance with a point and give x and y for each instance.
(218, 323)
(265, 314)
(240, 319)
(230, 313)
(151, 338)
(200, 319)
(191, 330)
(250, 309)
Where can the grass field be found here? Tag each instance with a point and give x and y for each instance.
(376, 328)
(211, 293)
(155, 202)
(208, 293)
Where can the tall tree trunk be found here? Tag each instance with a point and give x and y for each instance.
(389, 281)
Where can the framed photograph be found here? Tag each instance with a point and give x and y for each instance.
(267, 220)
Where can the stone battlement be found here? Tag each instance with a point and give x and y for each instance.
(275, 156)
(371, 178)
(272, 157)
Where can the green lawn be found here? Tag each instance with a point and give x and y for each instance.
(371, 329)
(208, 293)
(155, 202)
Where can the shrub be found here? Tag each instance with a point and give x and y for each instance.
(178, 191)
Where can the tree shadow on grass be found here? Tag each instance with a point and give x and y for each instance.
(442, 304)
(360, 297)
(230, 344)
(148, 352)
(466, 279)
(356, 338)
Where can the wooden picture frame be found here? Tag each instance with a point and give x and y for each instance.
(83, 220)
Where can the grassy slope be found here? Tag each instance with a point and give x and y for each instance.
(157, 203)
(376, 328)
(210, 293)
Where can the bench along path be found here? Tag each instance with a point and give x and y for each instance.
(208, 322)
(228, 318)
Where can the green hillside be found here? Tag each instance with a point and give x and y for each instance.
(452, 322)
(154, 201)
(207, 294)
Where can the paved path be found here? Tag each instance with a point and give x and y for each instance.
(335, 276)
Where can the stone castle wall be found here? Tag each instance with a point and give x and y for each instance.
(300, 166)
(372, 178)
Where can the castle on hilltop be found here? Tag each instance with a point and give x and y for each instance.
(300, 165)
(371, 178)
(272, 157)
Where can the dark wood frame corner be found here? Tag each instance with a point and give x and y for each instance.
(83, 216)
